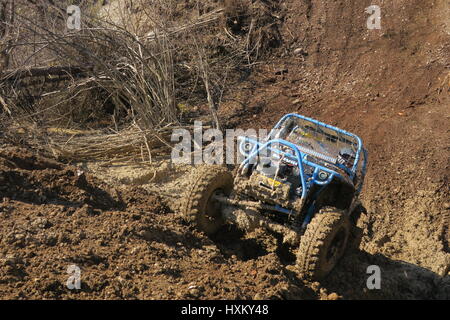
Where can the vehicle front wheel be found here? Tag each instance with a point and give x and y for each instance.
(323, 243)
(198, 204)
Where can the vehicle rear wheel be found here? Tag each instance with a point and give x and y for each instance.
(323, 243)
(198, 204)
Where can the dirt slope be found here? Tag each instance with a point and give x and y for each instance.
(131, 246)
(127, 244)
(390, 86)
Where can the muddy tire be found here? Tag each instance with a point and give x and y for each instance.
(323, 243)
(198, 207)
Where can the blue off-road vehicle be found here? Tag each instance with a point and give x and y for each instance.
(302, 181)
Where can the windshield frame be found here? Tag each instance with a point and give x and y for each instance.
(342, 132)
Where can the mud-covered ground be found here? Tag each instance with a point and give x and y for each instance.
(129, 244)
(126, 242)
(120, 225)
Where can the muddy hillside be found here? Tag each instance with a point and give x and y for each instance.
(120, 224)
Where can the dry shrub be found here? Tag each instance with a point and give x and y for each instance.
(140, 60)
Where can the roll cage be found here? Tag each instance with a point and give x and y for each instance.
(325, 167)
